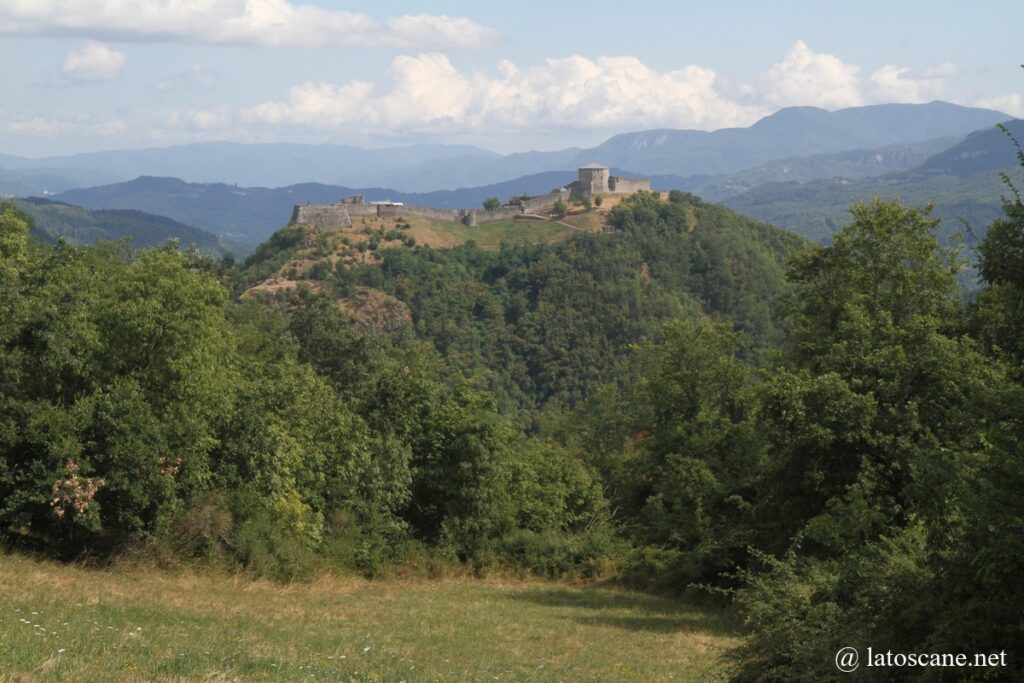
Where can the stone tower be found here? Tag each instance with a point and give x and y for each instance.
(593, 179)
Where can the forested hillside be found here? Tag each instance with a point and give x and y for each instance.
(55, 220)
(555, 321)
(828, 437)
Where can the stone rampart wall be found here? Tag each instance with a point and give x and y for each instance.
(337, 216)
(323, 216)
(629, 185)
(450, 215)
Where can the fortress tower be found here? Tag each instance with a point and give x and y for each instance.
(593, 179)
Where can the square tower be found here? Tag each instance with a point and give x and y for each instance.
(593, 179)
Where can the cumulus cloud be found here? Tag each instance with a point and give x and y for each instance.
(94, 62)
(427, 92)
(893, 83)
(266, 23)
(806, 77)
(1008, 104)
(427, 95)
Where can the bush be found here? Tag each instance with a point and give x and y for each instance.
(554, 554)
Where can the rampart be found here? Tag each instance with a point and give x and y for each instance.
(450, 215)
(324, 216)
(628, 185)
(339, 216)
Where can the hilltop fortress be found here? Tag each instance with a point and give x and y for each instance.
(593, 179)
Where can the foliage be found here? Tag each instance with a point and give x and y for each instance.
(140, 405)
(540, 323)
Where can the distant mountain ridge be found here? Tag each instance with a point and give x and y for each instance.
(856, 163)
(964, 182)
(790, 132)
(262, 164)
(813, 209)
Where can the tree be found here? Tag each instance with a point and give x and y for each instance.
(492, 203)
(561, 209)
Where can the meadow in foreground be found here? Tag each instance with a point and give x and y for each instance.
(65, 623)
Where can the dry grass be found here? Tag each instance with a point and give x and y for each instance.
(61, 623)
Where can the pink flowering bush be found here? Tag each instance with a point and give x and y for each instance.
(73, 496)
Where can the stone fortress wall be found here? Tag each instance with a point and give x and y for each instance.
(339, 216)
(593, 179)
(628, 185)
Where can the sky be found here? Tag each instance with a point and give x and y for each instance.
(87, 75)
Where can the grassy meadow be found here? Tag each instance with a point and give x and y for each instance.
(66, 623)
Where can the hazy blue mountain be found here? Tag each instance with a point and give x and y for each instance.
(790, 132)
(250, 214)
(270, 164)
(984, 150)
(857, 163)
(964, 182)
(55, 220)
(48, 181)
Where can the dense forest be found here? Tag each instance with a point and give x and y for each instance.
(554, 322)
(828, 436)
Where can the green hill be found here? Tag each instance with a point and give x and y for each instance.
(54, 220)
(536, 322)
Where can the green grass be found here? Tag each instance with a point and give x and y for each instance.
(513, 231)
(64, 623)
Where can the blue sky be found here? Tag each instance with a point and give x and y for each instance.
(99, 74)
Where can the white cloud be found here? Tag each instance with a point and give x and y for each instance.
(94, 62)
(896, 84)
(805, 77)
(266, 23)
(1008, 104)
(427, 93)
(195, 77)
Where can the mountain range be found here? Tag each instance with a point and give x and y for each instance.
(790, 132)
(808, 194)
(965, 184)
